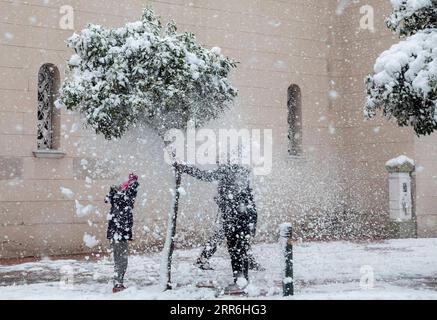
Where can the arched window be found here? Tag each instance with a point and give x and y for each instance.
(294, 105)
(48, 116)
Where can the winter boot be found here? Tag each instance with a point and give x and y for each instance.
(118, 288)
(255, 266)
(203, 264)
(234, 290)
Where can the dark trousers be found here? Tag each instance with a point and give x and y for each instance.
(211, 245)
(120, 251)
(217, 239)
(237, 233)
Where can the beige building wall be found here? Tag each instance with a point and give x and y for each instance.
(426, 179)
(278, 43)
(365, 145)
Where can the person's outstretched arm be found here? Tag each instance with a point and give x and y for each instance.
(204, 175)
(131, 193)
(110, 196)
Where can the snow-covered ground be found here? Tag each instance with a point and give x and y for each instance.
(395, 269)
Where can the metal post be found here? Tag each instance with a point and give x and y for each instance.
(178, 178)
(286, 233)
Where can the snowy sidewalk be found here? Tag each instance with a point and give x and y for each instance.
(402, 269)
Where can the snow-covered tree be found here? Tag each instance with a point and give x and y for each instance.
(142, 75)
(404, 85)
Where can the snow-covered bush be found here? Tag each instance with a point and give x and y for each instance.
(139, 74)
(404, 84)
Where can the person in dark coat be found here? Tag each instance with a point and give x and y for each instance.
(238, 213)
(219, 236)
(120, 224)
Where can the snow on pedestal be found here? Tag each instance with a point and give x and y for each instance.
(284, 229)
(400, 164)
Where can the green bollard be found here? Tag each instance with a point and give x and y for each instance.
(286, 233)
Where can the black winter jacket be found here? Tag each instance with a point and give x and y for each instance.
(120, 219)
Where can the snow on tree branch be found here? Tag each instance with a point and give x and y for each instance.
(404, 84)
(142, 74)
(408, 16)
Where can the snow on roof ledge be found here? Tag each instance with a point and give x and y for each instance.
(400, 164)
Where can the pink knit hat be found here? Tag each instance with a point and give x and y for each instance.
(132, 178)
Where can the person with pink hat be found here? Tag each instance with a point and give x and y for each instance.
(120, 224)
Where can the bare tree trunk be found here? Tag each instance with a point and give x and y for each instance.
(171, 232)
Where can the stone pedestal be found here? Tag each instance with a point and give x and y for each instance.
(403, 224)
